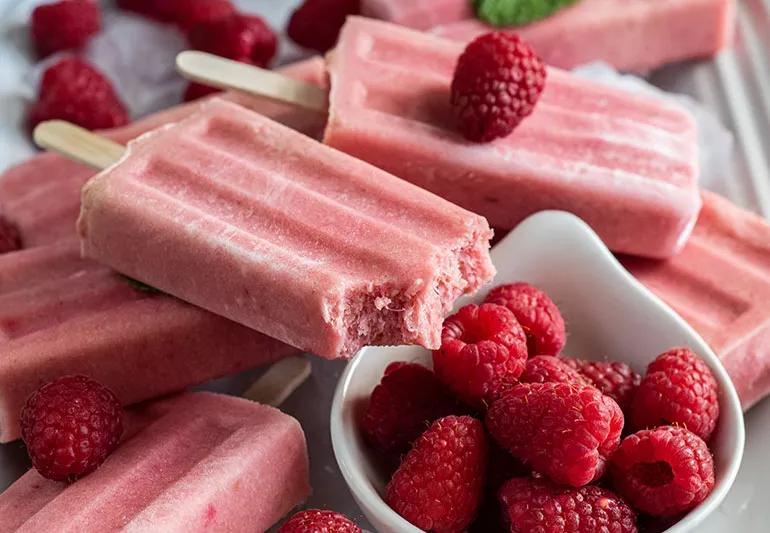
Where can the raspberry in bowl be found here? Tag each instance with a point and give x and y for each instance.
(611, 319)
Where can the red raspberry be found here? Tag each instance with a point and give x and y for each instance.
(75, 91)
(64, 25)
(70, 426)
(537, 314)
(678, 389)
(566, 432)
(160, 10)
(539, 505)
(439, 484)
(198, 90)
(315, 520)
(10, 238)
(483, 352)
(183, 13)
(401, 407)
(239, 37)
(497, 82)
(188, 13)
(613, 378)
(316, 24)
(547, 368)
(663, 471)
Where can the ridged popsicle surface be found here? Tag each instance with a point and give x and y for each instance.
(720, 284)
(197, 462)
(253, 221)
(625, 163)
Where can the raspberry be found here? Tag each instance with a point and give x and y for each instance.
(315, 520)
(439, 484)
(401, 407)
(539, 505)
(75, 91)
(160, 10)
(483, 352)
(678, 389)
(497, 82)
(239, 37)
(547, 368)
(64, 25)
(198, 90)
(564, 431)
(613, 378)
(10, 238)
(316, 24)
(70, 426)
(183, 13)
(537, 314)
(663, 471)
(188, 13)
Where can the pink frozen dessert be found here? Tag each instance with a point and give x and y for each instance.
(60, 314)
(625, 163)
(720, 284)
(636, 35)
(418, 14)
(30, 192)
(197, 462)
(244, 217)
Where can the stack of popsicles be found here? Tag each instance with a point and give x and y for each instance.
(60, 314)
(633, 35)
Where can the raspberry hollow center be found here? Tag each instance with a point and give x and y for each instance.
(655, 474)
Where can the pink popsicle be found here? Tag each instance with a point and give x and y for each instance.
(42, 195)
(60, 314)
(625, 163)
(634, 35)
(239, 215)
(720, 284)
(418, 14)
(197, 462)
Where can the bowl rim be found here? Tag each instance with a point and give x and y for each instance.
(343, 426)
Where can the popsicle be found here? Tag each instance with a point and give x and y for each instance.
(625, 163)
(418, 14)
(60, 314)
(242, 216)
(197, 462)
(720, 284)
(636, 35)
(30, 192)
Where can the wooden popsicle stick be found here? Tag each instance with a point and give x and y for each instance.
(77, 143)
(227, 74)
(279, 382)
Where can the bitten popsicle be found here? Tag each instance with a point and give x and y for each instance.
(633, 35)
(720, 284)
(239, 215)
(623, 162)
(61, 314)
(197, 462)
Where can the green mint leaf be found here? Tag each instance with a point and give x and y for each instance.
(516, 12)
(138, 285)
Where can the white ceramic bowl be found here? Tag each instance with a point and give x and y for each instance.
(608, 314)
